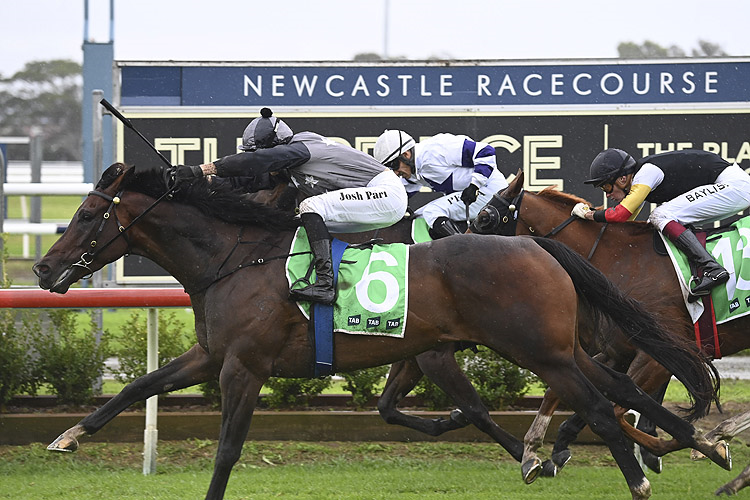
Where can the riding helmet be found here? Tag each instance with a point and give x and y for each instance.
(391, 145)
(265, 131)
(610, 164)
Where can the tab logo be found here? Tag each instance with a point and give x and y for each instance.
(354, 320)
(373, 322)
(392, 323)
(734, 305)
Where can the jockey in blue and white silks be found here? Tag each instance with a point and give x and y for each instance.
(464, 169)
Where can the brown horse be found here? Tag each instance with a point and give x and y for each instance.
(623, 252)
(228, 253)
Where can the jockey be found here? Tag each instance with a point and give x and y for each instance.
(343, 188)
(456, 165)
(692, 187)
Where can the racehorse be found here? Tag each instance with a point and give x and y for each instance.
(623, 252)
(228, 254)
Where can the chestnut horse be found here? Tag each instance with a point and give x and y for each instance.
(229, 253)
(625, 253)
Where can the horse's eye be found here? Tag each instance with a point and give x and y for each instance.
(85, 216)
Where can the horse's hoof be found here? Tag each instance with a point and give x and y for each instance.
(696, 455)
(723, 457)
(64, 444)
(725, 490)
(652, 462)
(561, 458)
(549, 469)
(459, 418)
(530, 470)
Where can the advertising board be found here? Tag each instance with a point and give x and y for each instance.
(548, 119)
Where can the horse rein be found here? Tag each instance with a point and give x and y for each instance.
(513, 208)
(87, 258)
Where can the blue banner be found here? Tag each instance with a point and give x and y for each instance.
(438, 84)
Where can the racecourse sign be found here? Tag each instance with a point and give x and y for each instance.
(547, 119)
(475, 85)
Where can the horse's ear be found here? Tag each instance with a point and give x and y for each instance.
(519, 174)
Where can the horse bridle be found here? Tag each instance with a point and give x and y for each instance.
(87, 258)
(491, 220)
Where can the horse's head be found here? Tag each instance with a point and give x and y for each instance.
(93, 238)
(500, 215)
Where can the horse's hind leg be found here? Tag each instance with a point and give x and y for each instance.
(403, 377)
(645, 425)
(582, 397)
(441, 367)
(239, 393)
(620, 389)
(191, 368)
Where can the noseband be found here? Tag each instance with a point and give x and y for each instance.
(490, 219)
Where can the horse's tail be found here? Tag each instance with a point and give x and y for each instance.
(674, 352)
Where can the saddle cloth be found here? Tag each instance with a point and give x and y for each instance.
(371, 291)
(731, 249)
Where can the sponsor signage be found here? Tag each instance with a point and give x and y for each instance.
(548, 119)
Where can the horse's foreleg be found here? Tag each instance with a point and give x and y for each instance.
(725, 430)
(193, 367)
(403, 377)
(441, 367)
(735, 484)
(239, 393)
(531, 465)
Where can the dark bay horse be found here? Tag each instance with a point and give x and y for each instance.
(228, 253)
(625, 253)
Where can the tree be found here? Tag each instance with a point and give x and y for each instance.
(44, 97)
(652, 50)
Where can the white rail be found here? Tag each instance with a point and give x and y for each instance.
(46, 189)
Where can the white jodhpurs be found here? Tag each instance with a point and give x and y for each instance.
(381, 203)
(729, 195)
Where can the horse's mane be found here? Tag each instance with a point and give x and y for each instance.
(210, 195)
(558, 197)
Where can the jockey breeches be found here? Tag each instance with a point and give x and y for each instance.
(352, 210)
(729, 195)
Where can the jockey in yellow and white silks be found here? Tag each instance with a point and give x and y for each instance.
(691, 187)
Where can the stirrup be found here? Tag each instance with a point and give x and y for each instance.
(704, 287)
(314, 293)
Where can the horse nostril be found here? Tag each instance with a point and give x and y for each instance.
(39, 269)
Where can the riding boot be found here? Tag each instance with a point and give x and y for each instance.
(443, 227)
(320, 242)
(709, 272)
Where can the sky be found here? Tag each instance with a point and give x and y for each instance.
(327, 30)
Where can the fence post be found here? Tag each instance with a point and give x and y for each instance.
(35, 157)
(3, 165)
(150, 434)
(96, 132)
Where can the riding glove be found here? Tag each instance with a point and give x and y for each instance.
(187, 173)
(580, 210)
(469, 195)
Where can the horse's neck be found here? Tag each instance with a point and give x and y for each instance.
(585, 237)
(195, 248)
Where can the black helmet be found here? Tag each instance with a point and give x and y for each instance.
(266, 131)
(609, 165)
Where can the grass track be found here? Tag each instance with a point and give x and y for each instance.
(298, 470)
